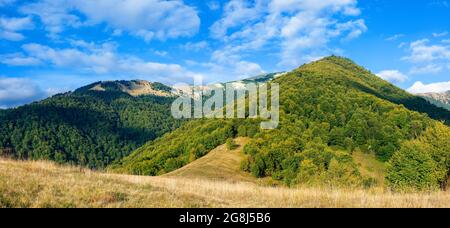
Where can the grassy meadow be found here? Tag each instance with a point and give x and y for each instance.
(39, 184)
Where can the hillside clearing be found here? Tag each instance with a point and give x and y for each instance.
(370, 167)
(44, 184)
(219, 164)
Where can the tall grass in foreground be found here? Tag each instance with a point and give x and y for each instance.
(44, 184)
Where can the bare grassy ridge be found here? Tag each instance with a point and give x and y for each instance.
(219, 164)
(44, 184)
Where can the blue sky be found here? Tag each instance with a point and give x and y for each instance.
(52, 46)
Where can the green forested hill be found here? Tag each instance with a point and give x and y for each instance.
(329, 109)
(87, 127)
(186, 144)
(354, 76)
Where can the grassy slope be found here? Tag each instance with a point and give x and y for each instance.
(219, 164)
(370, 166)
(44, 184)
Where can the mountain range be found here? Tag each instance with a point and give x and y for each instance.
(133, 88)
(92, 126)
(438, 99)
(331, 110)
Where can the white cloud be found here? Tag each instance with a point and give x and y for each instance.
(6, 2)
(237, 12)
(299, 29)
(393, 76)
(439, 3)
(402, 44)
(446, 41)
(95, 60)
(100, 59)
(427, 69)
(428, 58)
(232, 70)
(354, 29)
(246, 69)
(17, 91)
(420, 87)
(10, 28)
(347, 6)
(213, 5)
(440, 34)
(148, 19)
(11, 36)
(19, 59)
(16, 24)
(395, 37)
(422, 51)
(91, 45)
(198, 46)
(161, 53)
(54, 15)
(225, 67)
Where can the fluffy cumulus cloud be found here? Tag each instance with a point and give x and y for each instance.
(10, 27)
(300, 29)
(148, 19)
(420, 87)
(393, 76)
(17, 91)
(428, 58)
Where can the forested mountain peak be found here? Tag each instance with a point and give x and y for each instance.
(134, 88)
(346, 72)
(330, 111)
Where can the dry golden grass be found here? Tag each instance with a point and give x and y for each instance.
(219, 164)
(370, 166)
(44, 184)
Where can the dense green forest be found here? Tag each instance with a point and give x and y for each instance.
(333, 107)
(329, 109)
(186, 144)
(85, 127)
